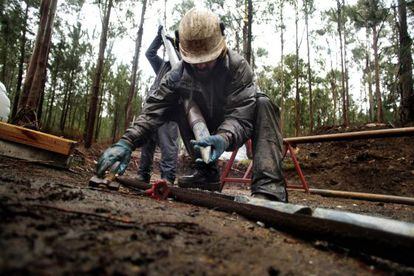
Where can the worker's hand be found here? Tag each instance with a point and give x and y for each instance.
(120, 151)
(160, 27)
(218, 143)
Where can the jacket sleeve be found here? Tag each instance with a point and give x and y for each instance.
(240, 106)
(155, 107)
(151, 54)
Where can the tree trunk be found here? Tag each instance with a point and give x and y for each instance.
(297, 99)
(21, 64)
(100, 107)
(66, 101)
(334, 95)
(309, 67)
(346, 71)
(247, 31)
(42, 95)
(50, 105)
(405, 66)
(115, 125)
(333, 84)
(90, 126)
(72, 114)
(54, 74)
(135, 62)
(369, 78)
(343, 90)
(282, 80)
(4, 53)
(29, 101)
(38, 79)
(380, 115)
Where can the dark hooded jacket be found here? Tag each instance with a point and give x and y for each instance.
(226, 98)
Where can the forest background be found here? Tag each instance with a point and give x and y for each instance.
(77, 68)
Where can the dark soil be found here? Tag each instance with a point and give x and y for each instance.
(53, 223)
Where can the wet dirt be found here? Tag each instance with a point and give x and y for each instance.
(53, 223)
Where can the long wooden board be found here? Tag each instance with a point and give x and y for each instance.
(36, 139)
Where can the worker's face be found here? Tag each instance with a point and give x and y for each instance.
(204, 69)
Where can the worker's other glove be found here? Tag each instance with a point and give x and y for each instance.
(160, 27)
(218, 143)
(120, 151)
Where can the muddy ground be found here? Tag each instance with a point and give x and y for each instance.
(53, 223)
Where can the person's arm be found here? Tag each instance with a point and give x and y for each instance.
(152, 50)
(237, 126)
(157, 103)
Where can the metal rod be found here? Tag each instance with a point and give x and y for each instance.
(364, 196)
(369, 134)
(227, 169)
(371, 235)
(297, 167)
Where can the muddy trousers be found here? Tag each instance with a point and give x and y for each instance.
(167, 138)
(267, 147)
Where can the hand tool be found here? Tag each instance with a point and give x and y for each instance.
(159, 189)
(108, 181)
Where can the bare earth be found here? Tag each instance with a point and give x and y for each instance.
(53, 223)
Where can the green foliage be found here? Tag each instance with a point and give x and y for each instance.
(179, 10)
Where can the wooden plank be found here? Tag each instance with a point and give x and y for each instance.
(36, 139)
(32, 154)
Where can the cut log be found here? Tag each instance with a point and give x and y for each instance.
(36, 139)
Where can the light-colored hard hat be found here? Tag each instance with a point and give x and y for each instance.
(200, 36)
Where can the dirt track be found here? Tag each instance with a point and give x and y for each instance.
(52, 223)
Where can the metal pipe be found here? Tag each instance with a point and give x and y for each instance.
(371, 235)
(347, 136)
(198, 125)
(364, 196)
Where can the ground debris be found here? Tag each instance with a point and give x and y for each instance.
(52, 222)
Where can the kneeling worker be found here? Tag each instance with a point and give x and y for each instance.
(220, 81)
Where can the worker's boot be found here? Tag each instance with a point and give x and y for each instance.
(144, 177)
(272, 192)
(204, 177)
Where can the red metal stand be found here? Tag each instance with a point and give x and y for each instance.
(248, 174)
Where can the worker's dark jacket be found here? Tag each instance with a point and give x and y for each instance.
(230, 104)
(151, 54)
(226, 99)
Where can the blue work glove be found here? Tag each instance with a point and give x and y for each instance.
(120, 151)
(218, 143)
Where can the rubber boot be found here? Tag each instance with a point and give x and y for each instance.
(278, 193)
(204, 177)
(144, 177)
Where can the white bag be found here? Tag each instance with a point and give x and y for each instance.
(4, 104)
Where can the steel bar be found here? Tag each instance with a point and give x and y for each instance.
(381, 237)
(364, 196)
(297, 166)
(381, 133)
